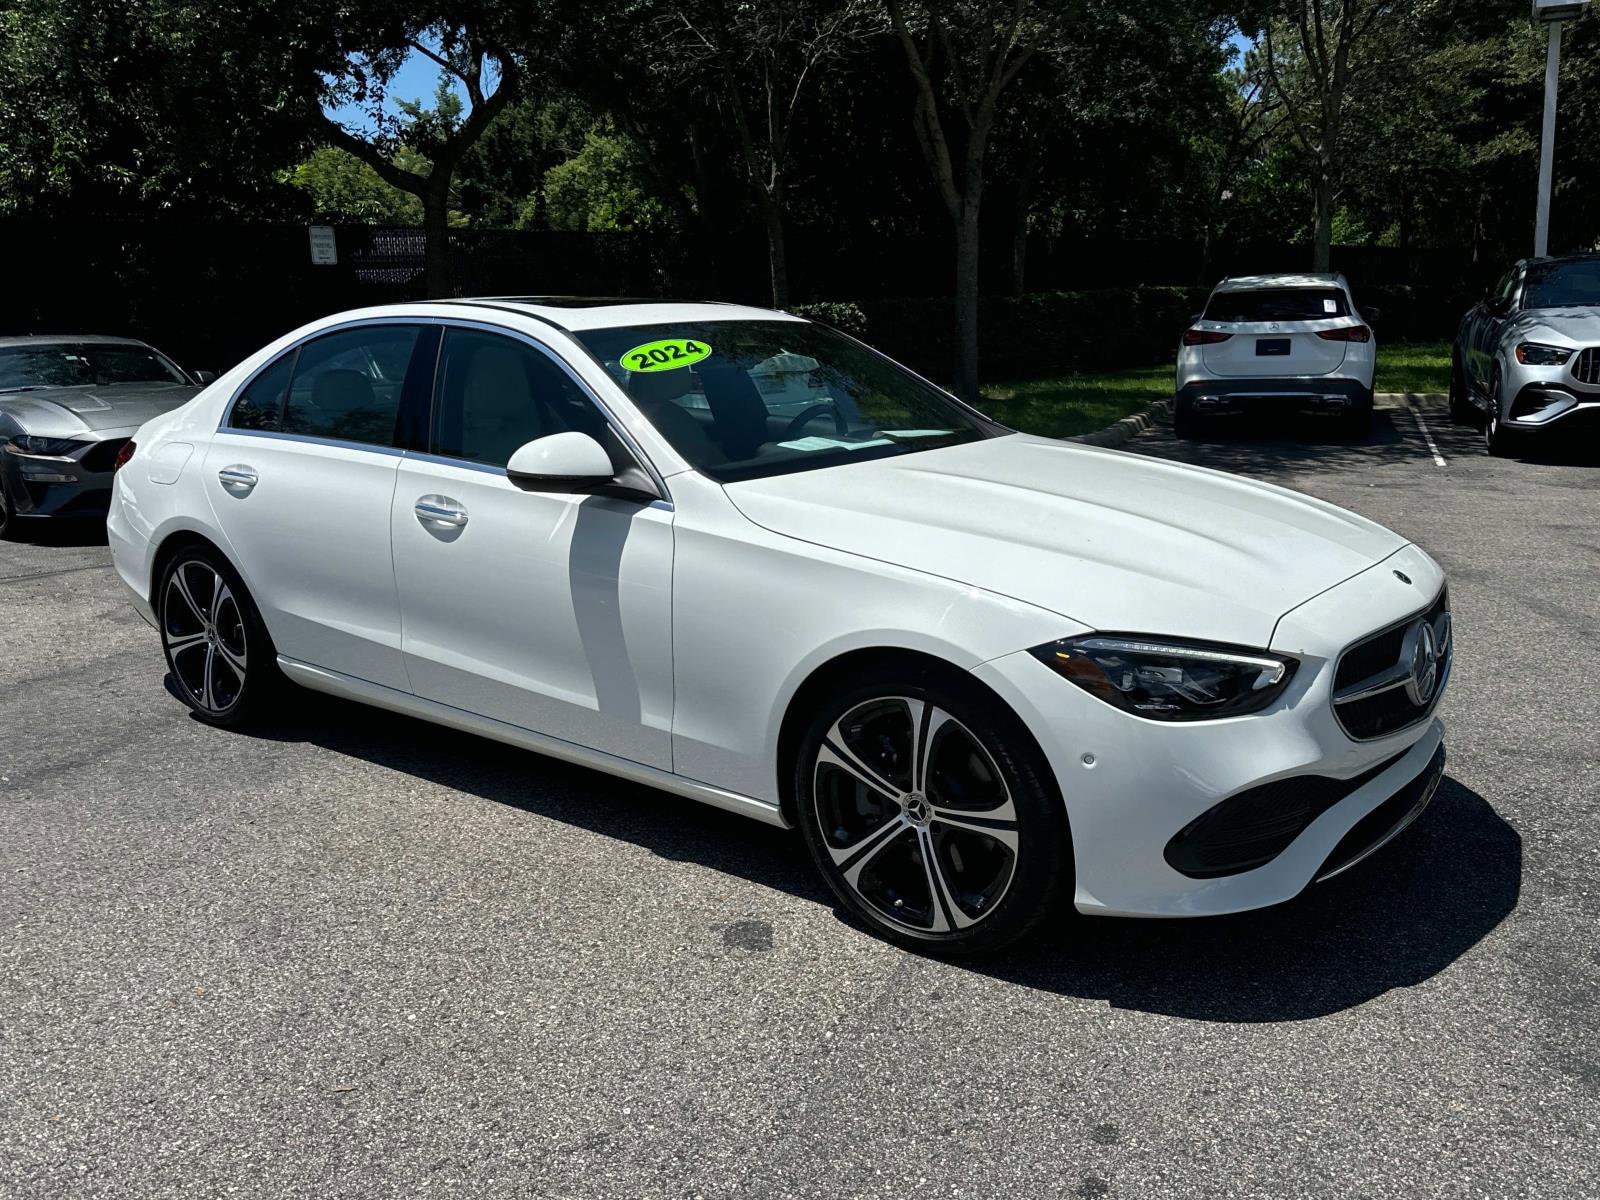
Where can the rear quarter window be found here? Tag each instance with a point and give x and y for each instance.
(1278, 304)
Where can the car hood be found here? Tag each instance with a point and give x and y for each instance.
(1578, 324)
(1113, 541)
(71, 412)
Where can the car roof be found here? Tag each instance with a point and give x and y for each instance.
(75, 339)
(1243, 283)
(579, 313)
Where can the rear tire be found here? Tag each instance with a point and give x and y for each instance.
(1186, 424)
(217, 648)
(1358, 421)
(932, 813)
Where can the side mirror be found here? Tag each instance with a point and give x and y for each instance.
(1195, 318)
(1497, 306)
(1373, 314)
(560, 462)
(205, 377)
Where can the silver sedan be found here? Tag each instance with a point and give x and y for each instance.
(1527, 358)
(68, 405)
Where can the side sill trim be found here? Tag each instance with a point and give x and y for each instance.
(320, 679)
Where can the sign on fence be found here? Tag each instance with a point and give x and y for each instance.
(324, 250)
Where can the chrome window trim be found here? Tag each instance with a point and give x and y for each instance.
(447, 323)
(313, 440)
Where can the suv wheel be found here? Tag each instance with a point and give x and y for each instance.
(1495, 439)
(932, 814)
(1462, 411)
(1185, 421)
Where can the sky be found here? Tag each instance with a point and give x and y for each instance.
(418, 76)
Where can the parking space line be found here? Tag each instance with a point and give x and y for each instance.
(1416, 413)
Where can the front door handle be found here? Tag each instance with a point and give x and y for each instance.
(238, 479)
(440, 510)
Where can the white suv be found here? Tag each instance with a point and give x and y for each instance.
(1279, 342)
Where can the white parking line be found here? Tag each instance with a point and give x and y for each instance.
(1416, 413)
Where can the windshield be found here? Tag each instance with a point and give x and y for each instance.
(81, 364)
(1278, 304)
(1560, 284)
(741, 399)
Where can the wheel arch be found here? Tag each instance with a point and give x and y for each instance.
(169, 547)
(840, 671)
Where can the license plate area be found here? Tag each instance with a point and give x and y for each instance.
(1272, 347)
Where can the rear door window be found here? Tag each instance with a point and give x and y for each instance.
(347, 385)
(1277, 304)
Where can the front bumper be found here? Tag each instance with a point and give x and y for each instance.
(68, 485)
(1296, 393)
(1131, 785)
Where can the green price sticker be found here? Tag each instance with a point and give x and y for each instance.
(666, 355)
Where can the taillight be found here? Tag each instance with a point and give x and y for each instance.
(1204, 337)
(1355, 333)
(122, 458)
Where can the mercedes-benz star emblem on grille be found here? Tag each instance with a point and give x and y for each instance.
(1422, 653)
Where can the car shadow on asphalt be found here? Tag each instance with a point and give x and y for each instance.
(61, 531)
(1393, 921)
(1257, 446)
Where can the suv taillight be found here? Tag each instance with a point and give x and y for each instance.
(1204, 337)
(123, 456)
(1356, 333)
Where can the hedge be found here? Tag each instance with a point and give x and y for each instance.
(1049, 333)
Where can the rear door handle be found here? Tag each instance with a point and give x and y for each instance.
(440, 510)
(238, 479)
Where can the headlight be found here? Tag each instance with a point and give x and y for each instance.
(29, 444)
(1169, 679)
(1537, 354)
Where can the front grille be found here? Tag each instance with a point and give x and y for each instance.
(1253, 827)
(1586, 369)
(1373, 667)
(102, 456)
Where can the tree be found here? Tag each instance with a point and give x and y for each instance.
(479, 50)
(763, 57)
(1315, 53)
(344, 188)
(963, 55)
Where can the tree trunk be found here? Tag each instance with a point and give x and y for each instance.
(1019, 242)
(1322, 255)
(967, 302)
(436, 238)
(777, 256)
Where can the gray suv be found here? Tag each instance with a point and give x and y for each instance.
(1527, 358)
(68, 406)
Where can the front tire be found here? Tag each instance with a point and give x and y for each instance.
(216, 645)
(932, 814)
(1462, 411)
(8, 514)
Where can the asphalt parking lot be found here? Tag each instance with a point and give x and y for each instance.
(355, 955)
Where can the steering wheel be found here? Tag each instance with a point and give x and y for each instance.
(840, 425)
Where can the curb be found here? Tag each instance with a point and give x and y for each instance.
(1120, 433)
(1401, 398)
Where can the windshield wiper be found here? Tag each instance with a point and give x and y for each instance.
(26, 387)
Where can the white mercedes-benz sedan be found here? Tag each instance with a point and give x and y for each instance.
(746, 559)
